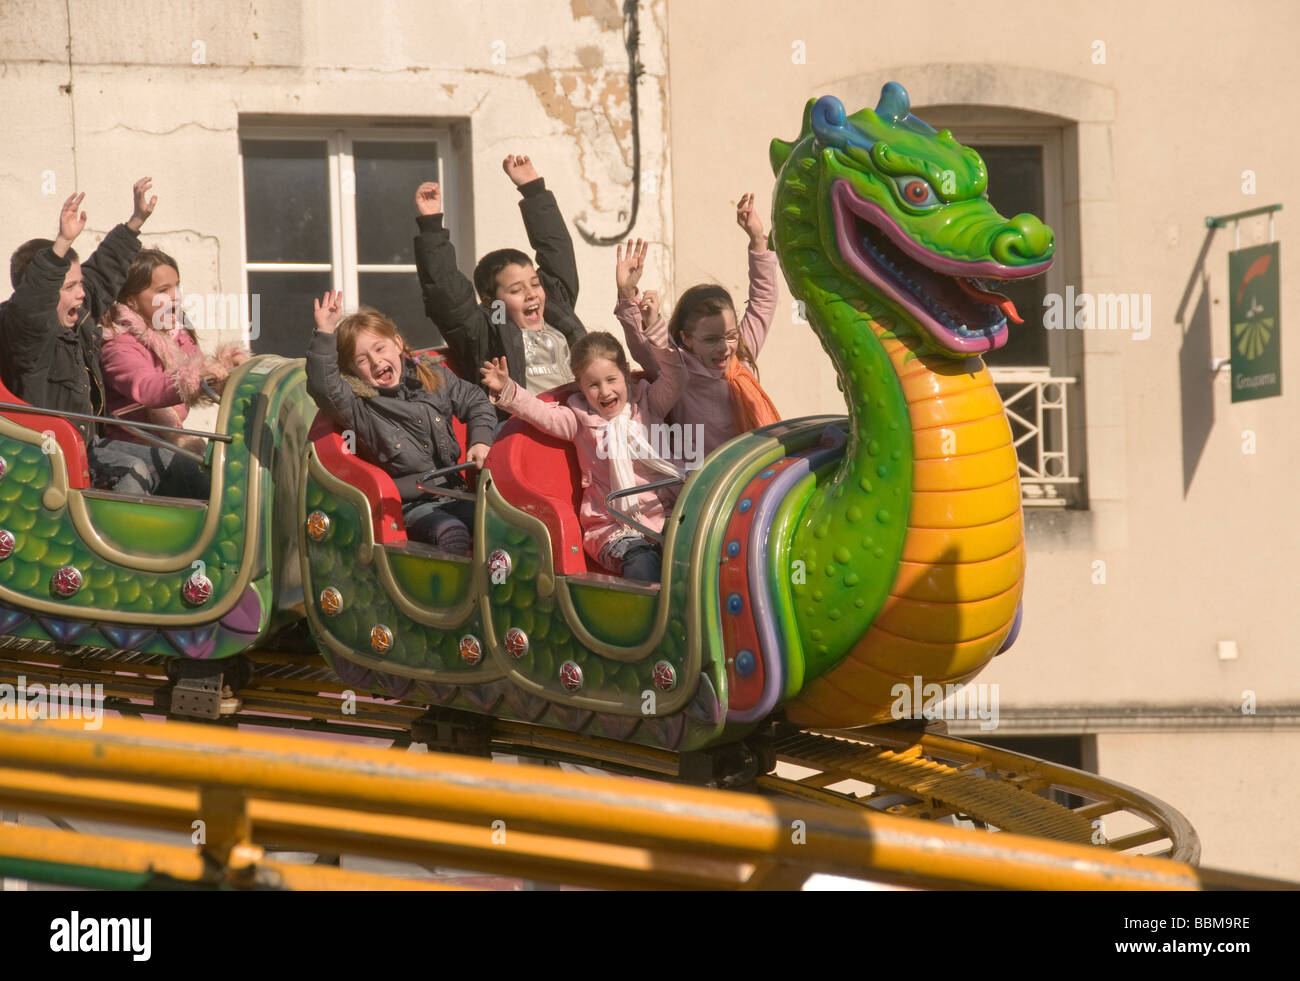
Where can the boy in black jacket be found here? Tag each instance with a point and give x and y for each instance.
(521, 312)
(50, 339)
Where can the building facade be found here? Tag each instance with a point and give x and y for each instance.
(286, 140)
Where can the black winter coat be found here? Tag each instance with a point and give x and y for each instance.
(57, 367)
(407, 432)
(466, 324)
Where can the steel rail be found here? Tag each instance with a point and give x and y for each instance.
(228, 768)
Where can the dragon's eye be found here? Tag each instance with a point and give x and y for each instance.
(916, 192)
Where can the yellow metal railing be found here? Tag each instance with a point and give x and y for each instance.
(251, 791)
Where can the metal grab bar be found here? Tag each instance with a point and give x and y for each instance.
(459, 495)
(159, 441)
(638, 489)
(36, 410)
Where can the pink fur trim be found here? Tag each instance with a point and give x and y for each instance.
(188, 378)
(161, 343)
(231, 355)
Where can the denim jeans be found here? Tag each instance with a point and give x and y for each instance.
(134, 468)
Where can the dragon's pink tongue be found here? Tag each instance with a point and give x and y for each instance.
(1003, 303)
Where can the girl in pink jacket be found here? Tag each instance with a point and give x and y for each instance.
(607, 420)
(150, 358)
(722, 398)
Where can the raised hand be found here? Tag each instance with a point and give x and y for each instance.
(628, 268)
(144, 204)
(428, 198)
(496, 375)
(329, 311)
(747, 217)
(476, 454)
(71, 221)
(519, 169)
(649, 304)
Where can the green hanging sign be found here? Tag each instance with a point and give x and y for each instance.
(1254, 309)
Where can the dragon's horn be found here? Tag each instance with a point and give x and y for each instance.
(779, 150)
(895, 106)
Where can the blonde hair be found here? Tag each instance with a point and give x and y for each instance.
(367, 318)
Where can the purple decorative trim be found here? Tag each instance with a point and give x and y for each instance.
(350, 673)
(10, 618)
(394, 684)
(483, 697)
(126, 638)
(1015, 630)
(667, 732)
(246, 615)
(572, 719)
(618, 727)
(705, 707)
(527, 706)
(64, 631)
(198, 644)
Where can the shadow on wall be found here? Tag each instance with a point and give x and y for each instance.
(1196, 383)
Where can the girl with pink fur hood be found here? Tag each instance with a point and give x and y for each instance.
(153, 368)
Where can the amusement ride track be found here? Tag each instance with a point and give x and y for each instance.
(907, 772)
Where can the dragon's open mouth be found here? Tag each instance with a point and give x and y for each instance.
(951, 300)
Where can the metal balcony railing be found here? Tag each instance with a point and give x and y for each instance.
(1035, 402)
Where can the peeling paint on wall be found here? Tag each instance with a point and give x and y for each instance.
(605, 12)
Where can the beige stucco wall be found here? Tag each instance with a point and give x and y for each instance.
(1189, 96)
(1221, 783)
(549, 80)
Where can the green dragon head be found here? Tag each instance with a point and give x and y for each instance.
(903, 210)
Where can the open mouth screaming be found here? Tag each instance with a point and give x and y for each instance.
(953, 301)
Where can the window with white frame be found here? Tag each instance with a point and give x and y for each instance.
(1037, 372)
(332, 207)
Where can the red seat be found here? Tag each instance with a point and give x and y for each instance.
(538, 473)
(65, 434)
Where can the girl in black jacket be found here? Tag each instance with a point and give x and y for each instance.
(361, 373)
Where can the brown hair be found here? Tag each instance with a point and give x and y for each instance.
(140, 275)
(25, 253)
(706, 300)
(598, 344)
(367, 318)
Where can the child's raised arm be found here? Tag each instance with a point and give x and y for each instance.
(760, 306)
(449, 297)
(324, 381)
(635, 311)
(668, 387)
(547, 232)
(551, 417)
(104, 272)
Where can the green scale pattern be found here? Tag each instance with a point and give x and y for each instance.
(48, 540)
(422, 651)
